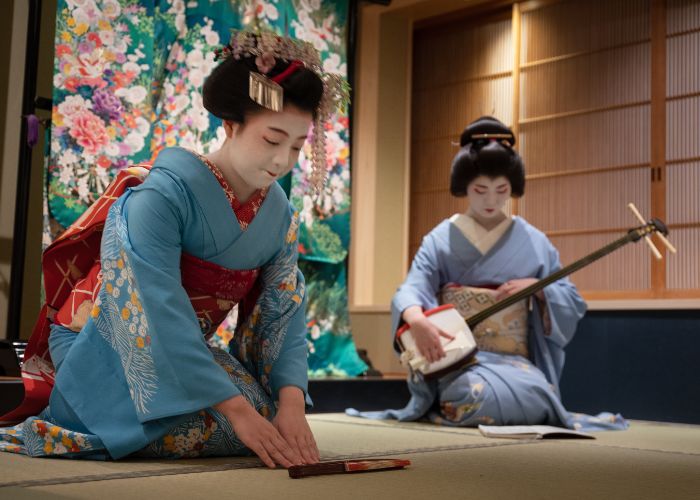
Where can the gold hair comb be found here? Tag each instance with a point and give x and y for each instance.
(265, 92)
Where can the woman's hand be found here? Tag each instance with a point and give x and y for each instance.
(258, 434)
(425, 334)
(511, 287)
(291, 423)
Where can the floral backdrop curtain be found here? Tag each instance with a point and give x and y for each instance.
(127, 83)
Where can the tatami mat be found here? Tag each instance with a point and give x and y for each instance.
(655, 436)
(648, 461)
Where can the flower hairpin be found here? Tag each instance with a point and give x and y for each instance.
(265, 62)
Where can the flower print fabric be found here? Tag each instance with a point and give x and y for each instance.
(127, 82)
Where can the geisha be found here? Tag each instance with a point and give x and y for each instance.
(119, 364)
(472, 260)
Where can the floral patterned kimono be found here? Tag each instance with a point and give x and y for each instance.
(128, 367)
(498, 388)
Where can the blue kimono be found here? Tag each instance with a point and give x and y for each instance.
(500, 389)
(139, 376)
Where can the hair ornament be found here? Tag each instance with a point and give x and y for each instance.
(267, 47)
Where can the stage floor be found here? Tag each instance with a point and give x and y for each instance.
(648, 461)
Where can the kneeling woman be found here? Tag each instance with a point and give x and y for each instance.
(133, 372)
(477, 258)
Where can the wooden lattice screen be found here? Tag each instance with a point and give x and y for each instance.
(604, 97)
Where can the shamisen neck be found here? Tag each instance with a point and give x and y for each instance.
(632, 235)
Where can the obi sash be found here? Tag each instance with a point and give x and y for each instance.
(72, 280)
(505, 332)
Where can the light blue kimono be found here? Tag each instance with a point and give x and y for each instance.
(139, 376)
(499, 389)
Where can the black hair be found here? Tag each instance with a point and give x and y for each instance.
(225, 92)
(492, 157)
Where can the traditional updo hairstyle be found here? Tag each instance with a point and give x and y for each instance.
(489, 156)
(226, 95)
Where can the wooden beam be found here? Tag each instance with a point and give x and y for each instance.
(516, 36)
(657, 140)
(573, 55)
(579, 112)
(473, 79)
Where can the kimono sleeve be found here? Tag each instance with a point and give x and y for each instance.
(422, 283)
(277, 322)
(291, 368)
(145, 313)
(565, 306)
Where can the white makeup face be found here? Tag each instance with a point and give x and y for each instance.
(488, 196)
(267, 145)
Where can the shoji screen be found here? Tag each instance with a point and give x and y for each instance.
(683, 144)
(585, 102)
(604, 96)
(460, 72)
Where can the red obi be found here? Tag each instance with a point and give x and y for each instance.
(214, 290)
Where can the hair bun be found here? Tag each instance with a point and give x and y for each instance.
(486, 125)
(494, 157)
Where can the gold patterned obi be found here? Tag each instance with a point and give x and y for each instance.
(505, 332)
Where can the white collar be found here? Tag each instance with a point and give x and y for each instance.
(477, 234)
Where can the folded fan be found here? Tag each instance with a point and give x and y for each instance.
(347, 466)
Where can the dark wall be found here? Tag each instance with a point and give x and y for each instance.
(31, 296)
(643, 364)
(5, 233)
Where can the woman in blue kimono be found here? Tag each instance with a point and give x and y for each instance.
(133, 372)
(483, 256)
